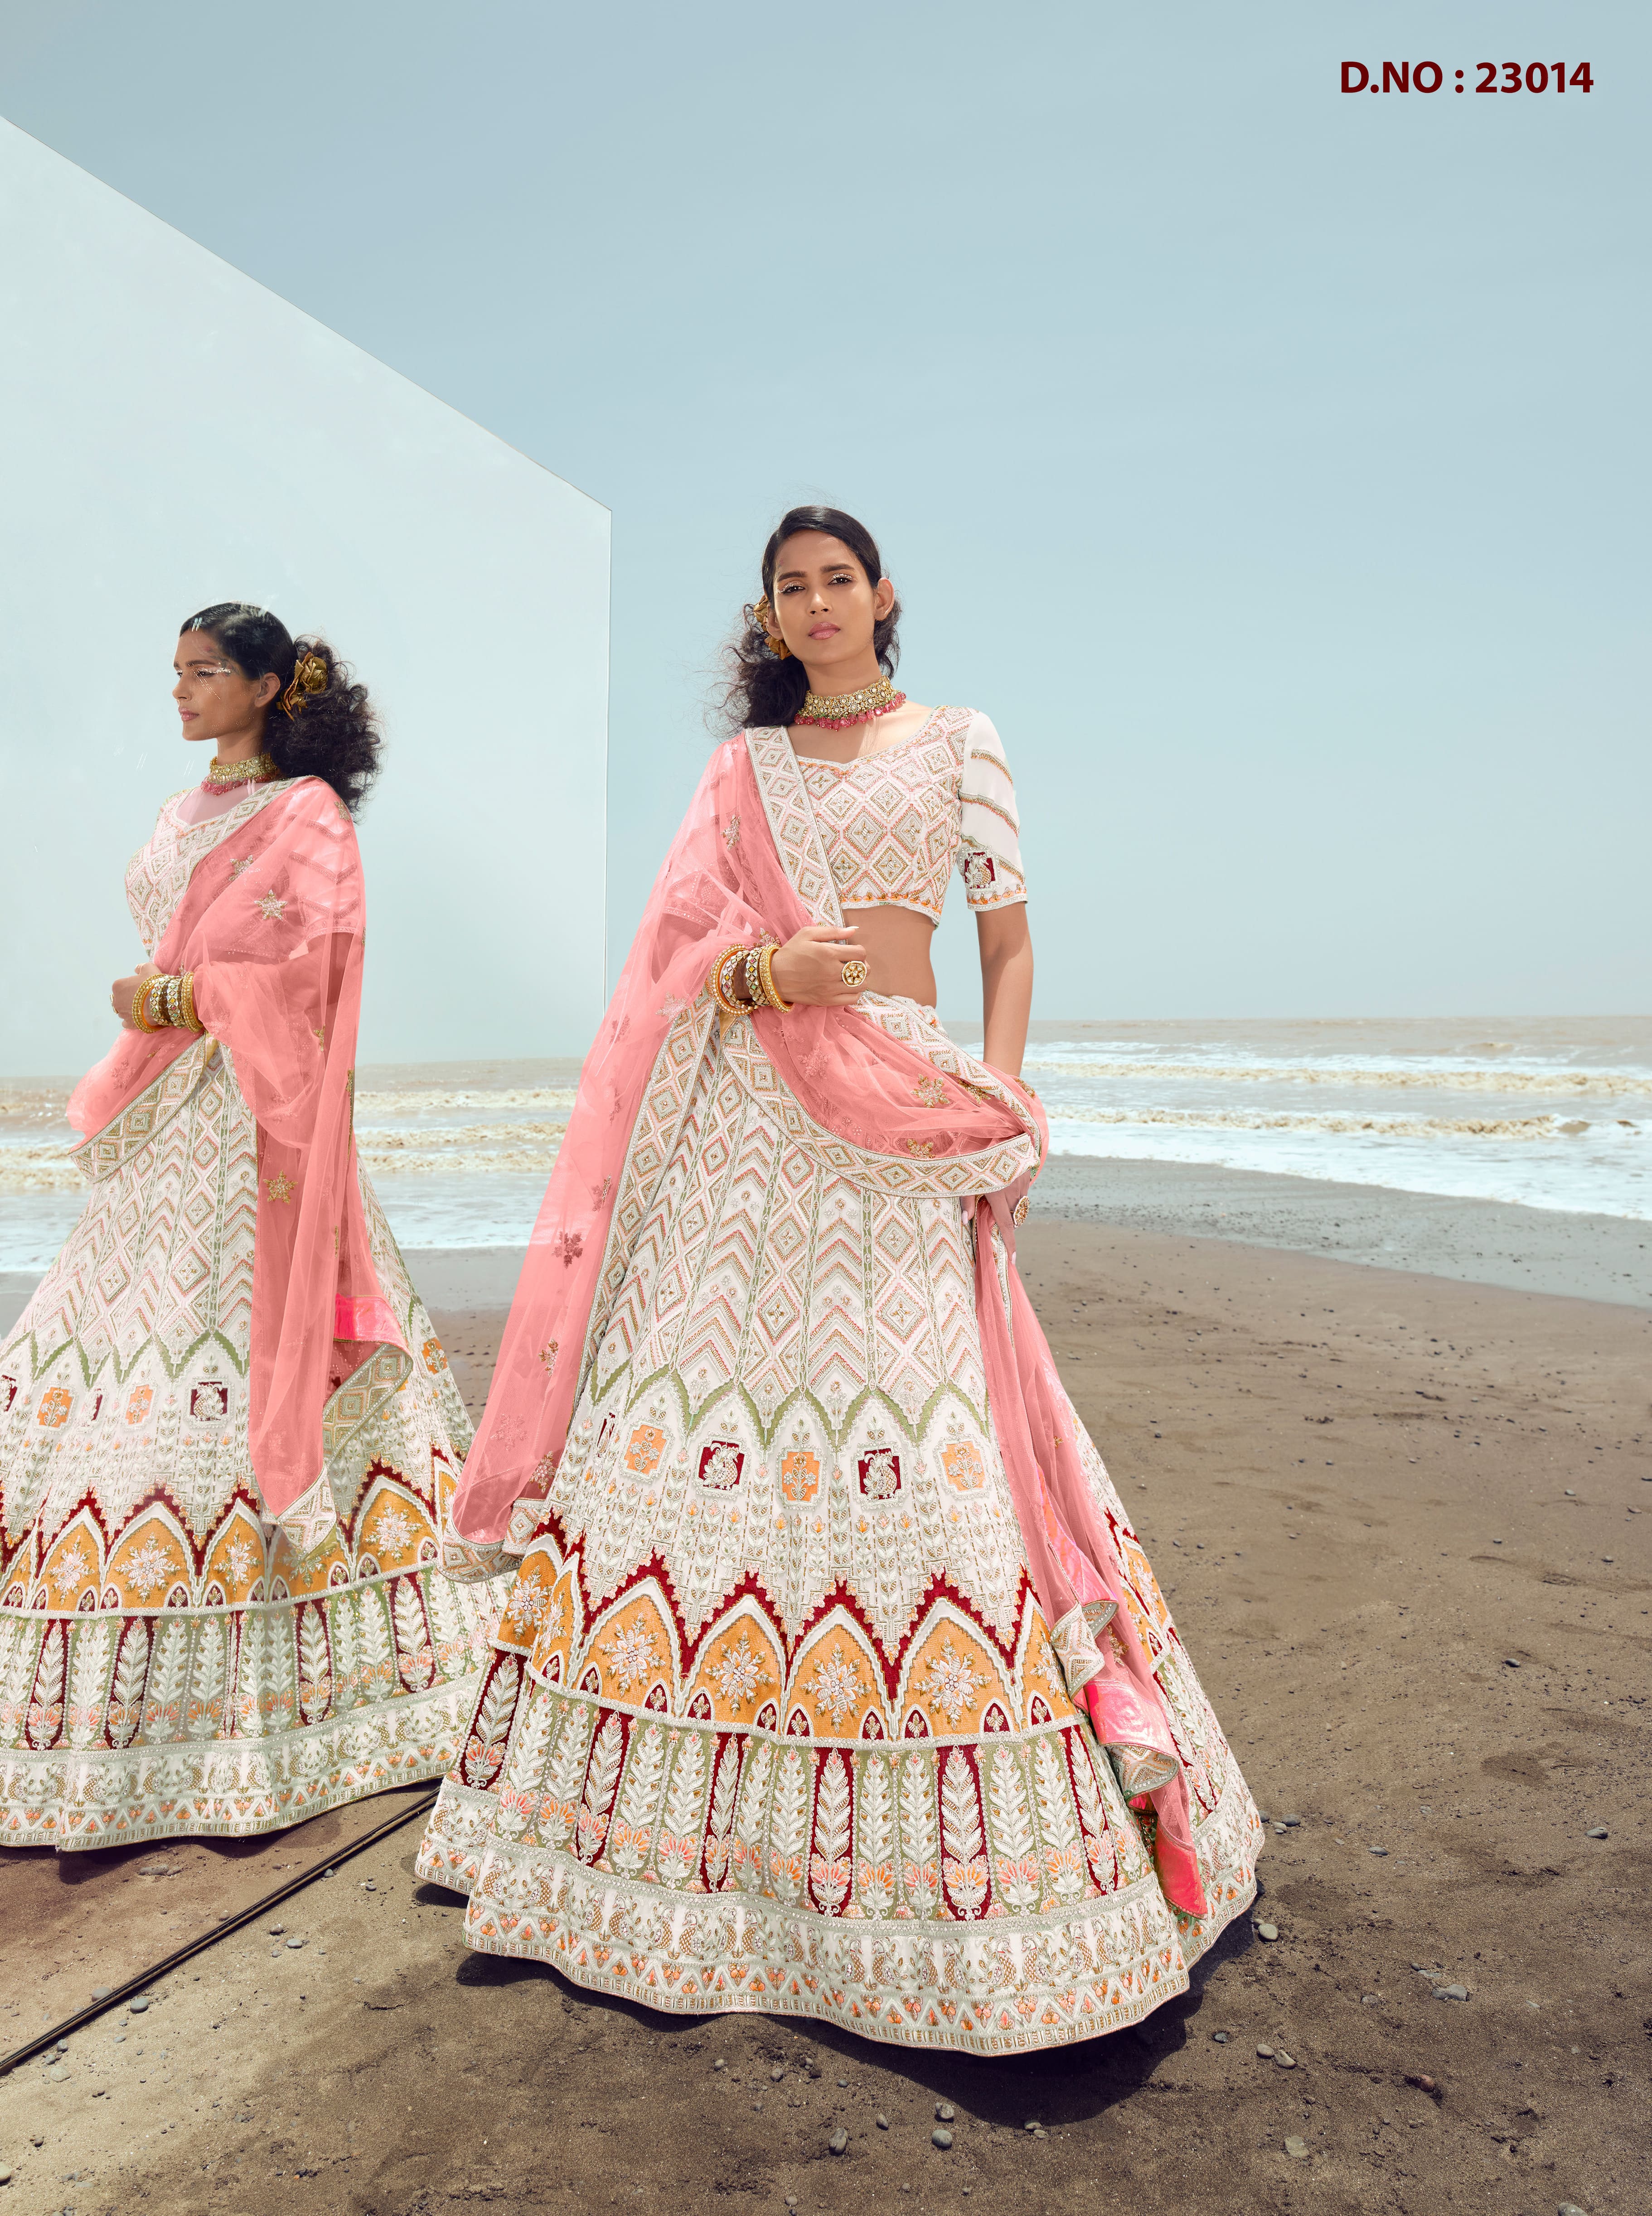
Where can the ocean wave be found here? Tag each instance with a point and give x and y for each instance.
(1397, 1127)
(1608, 1084)
(421, 1102)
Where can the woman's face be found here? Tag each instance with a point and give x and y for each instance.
(824, 608)
(215, 698)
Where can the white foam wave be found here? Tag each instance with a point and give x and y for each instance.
(1429, 1076)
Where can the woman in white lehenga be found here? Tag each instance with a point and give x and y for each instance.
(834, 1680)
(228, 1431)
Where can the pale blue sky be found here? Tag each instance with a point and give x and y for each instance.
(1270, 463)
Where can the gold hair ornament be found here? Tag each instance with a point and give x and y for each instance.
(308, 679)
(763, 616)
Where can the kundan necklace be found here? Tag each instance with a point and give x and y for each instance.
(222, 776)
(836, 712)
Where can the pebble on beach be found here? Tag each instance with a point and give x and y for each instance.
(943, 2111)
(1297, 2149)
(940, 2137)
(839, 2141)
(1266, 1930)
(1598, 1832)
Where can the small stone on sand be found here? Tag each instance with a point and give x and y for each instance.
(102, 1992)
(1220, 2038)
(1267, 2053)
(943, 2111)
(1598, 1832)
(1266, 1930)
(1286, 2061)
(1450, 1992)
(1297, 2149)
(882, 2122)
(940, 2137)
(137, 2006)
(775, 2075)
(839, 2141)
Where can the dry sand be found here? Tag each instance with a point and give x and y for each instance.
(1405, 1523)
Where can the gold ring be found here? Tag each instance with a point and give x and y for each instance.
(855, 973)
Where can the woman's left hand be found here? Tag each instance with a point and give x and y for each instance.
(124, 991)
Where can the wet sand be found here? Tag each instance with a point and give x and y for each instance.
(1403, 1522)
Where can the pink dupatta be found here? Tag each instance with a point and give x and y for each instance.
(272, 922)
(748, 862)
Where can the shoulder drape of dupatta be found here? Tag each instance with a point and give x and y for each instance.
(272, 922)
(724, 880)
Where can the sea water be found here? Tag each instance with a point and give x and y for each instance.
(1551, 1112)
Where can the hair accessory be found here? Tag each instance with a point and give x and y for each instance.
(308, 679)
(836, 712)
(855, 973)
(222, 776)
(762, 615)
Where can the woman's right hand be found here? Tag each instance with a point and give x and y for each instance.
(809, 969)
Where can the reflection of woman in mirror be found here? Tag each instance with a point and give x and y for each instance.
(834, 1680)
(227, 1422)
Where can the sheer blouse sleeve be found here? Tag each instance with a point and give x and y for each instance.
(990, 849)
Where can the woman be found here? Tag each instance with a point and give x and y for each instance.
(825, 1608)
(227, 1428)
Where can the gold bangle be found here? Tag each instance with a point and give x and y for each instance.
(766, 978)
(141, 1011)
(138, 1004)
(187, 990)
(724, 1003)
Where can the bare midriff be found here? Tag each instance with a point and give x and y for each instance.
(897, 940)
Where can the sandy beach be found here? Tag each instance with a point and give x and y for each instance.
(1404, 1521)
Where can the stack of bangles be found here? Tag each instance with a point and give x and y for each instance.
(162, 1002)
(756, 966)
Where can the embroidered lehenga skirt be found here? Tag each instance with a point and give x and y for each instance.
(167, 1666)
(774, 1720)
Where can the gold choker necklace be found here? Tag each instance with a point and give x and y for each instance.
(221, 776)
(836, 712)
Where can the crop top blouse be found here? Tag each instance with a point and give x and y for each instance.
(893, 822)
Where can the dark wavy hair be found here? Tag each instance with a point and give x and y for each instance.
(761, 690)
(333, 734)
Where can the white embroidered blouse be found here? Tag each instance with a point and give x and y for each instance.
(893, 822)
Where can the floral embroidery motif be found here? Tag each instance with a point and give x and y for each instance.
(737, 1673)
(600, 1192)
(148, 1568)
(570, 1245)
(54, 1408)
(548, 1354)
(930, 1092)
(837, 1685)
(647, 1445)
(242, 1558)
(923, 1148)
(799, 1474)
(271, 908)
(70, 1568)
(633, 1655)
(732, 833)
(281, 1187)
(236, 868)
(392, 1529)
(966, 1471)
(954, 1683)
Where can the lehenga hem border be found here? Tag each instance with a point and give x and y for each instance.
(264, 1795)
(578, 1947)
